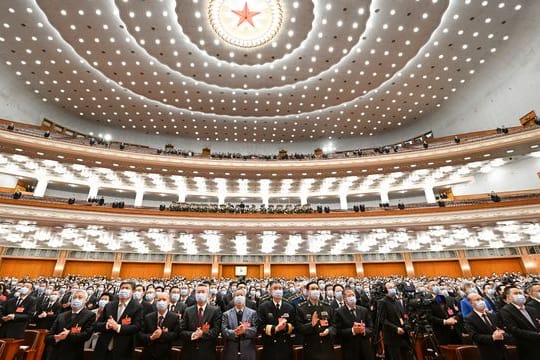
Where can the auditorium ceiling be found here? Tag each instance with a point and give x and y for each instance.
(253, 71)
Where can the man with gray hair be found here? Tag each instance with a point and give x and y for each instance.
(239, 329)
(71, 329)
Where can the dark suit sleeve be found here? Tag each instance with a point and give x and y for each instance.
(303, 325)
(185, 332)
(215, 326)
(87, 328)
(515, 330)
(55, 329)
(472, 330)
(29, 310)
(342, 326)
(146, 331)
(135, 324)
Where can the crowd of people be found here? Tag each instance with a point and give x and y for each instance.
(240, 208)
(365, 316)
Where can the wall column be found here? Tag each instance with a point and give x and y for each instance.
(41, 187)
(343, 201)
(383, 193)
(167, 269)
(359, 265)
(139, 195)
(60, 263)
(94, 188)
(464, 263)
(303, 199)
(215, 266)
(428, 192)
(531, 263)
(221, 199)
(409, 266)
(312, 266)
(116, 265)
(266, 267)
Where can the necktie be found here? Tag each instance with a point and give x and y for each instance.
(277, 306)
(200, 316)
(160, 321)
(353, 313)
(487, 321)
(239, 315)
(120, 311)
(527, 316)
(340, 304)
(19, 301)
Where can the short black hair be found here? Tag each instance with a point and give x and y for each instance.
(131, 283)
(338, 285)
(311, 283)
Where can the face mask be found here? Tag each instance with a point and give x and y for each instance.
(175, 297)
(48, 292)
(200, 297)
(252, 293)
(392, 292)
(137, 295)
(351, 300)
(62, 291)
(330, 293)
(183, 292)
(436, 290)
(124, 293)
(472, 291)
(77, 303)
(90, 292)
(102, 303)
(233, 288)
(161, 305)
(278, 294)
(519, 299)
(223, 292)
(481, 305)
(491, 292)
(24, 291)
(239, 300)
(358, 288)
(150, 296)
(445, 293)
(314, 294)
(339, 295)
(257, 293)
(53, 298)
(213, 291)
(16, 294)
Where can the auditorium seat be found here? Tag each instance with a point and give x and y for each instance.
(512, 351)
(460, 352)
(175, 353)
(2, 347)
(29, 347)
(11, 348)
(88, 354)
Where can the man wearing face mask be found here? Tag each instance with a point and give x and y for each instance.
(315, 320)
(534, 297)
(354, 328)
(200, 327)
(489, 297)
(71, 329)
(486, 331)
(46, 312)
(139, 297)
(391, 318)
(276, 319)
(104, 299)
(338, 300)
(521, 322)
(444, 316)
(160, 329)
(175, 305)
(149, 299)
(18, 312)
(215, 298)
(239, 330)
(120, 321)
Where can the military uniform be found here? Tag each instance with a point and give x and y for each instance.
(278, 345)
(315, 346)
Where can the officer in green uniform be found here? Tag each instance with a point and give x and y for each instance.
(315, 321)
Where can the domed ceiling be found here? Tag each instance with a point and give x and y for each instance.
(252, 70)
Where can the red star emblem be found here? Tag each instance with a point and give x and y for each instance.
(246, 15)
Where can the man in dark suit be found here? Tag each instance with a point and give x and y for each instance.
(315, 320)
(175, 305)
(276, 317)
(354, 329)
(339, 299)
(521, 322)
(390, 316)
(18, 312)
(200, 327)
(160, 328)
(119, 322)
(486, 330)
(444, 316)
(70, 330)
(47, 311)
(534, 297)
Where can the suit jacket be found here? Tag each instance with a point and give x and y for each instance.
(276, 345)
(23, 314)
(159, 348)
(123, 341)
(246, 343)
(316, 346)
(391, 316)
(354, 346)
(534, 304)
(72, 347)
(526, 335)
(443, 308)
(205, 347)
(481, 334)
(52, 311)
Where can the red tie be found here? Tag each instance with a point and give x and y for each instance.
(200, 315)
